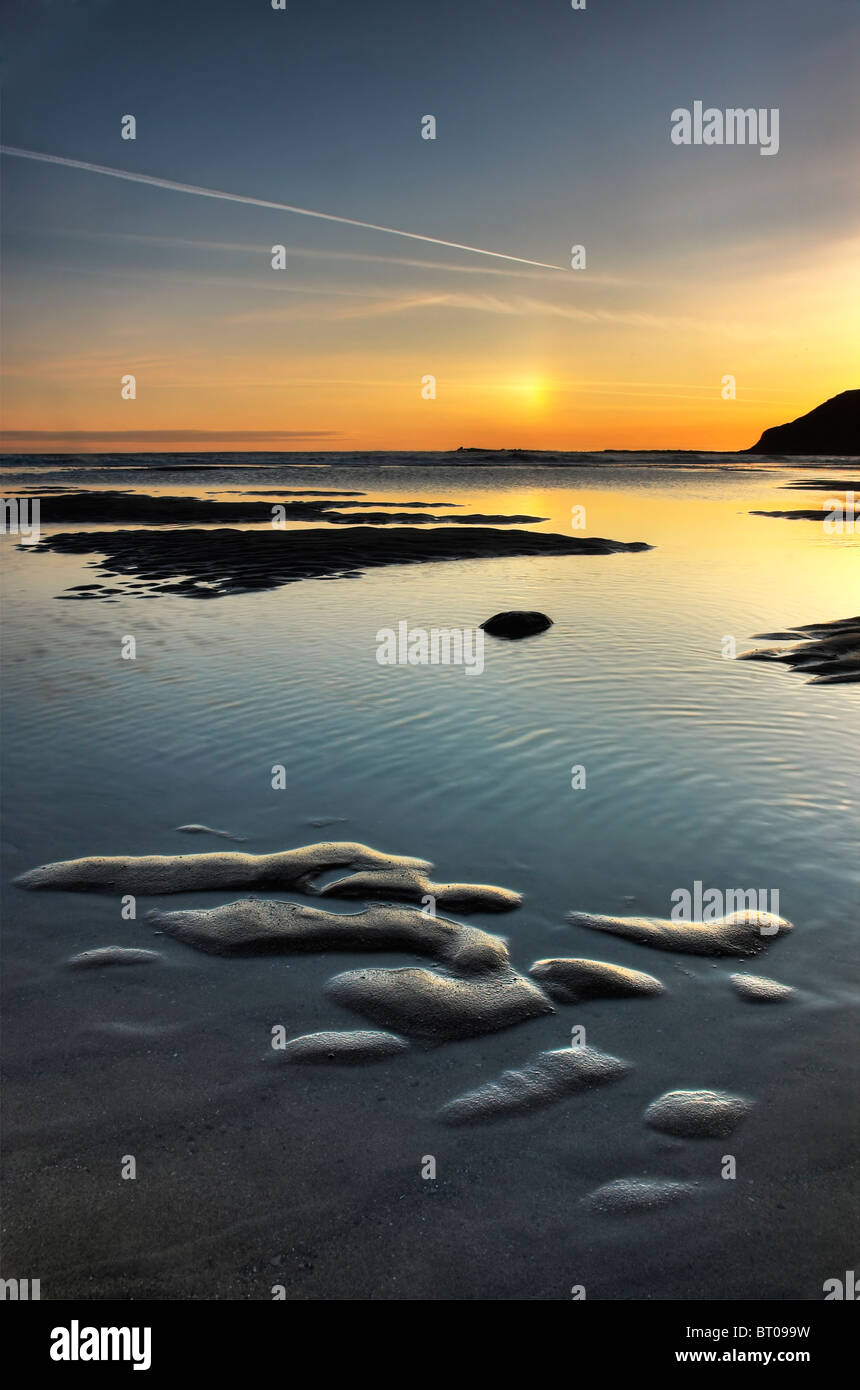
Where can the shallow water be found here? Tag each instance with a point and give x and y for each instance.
(253, 1173)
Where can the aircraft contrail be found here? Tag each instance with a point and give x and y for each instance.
(260, 203)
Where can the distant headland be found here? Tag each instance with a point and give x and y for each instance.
(831, 428)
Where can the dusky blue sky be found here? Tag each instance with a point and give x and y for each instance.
(553, 128)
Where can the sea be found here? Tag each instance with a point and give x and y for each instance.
(254, 1179)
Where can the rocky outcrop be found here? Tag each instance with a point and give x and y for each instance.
(831, 428)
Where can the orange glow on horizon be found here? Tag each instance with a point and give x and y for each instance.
(510, 373)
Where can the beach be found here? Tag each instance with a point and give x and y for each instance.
(616, 758)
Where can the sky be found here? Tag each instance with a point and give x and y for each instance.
(552, 130)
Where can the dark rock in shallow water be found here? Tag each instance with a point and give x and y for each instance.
(112, 955)
(697, 1114)
(637, 1195)
(761, 990)
(423, 1004)
(516, 624)
(570, 981)
(551, 1077)
(348, 1048)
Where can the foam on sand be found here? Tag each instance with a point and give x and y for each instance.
(760, 990)
(254, 926)
(423, 1004)
(738, 934)
(208, 830)
(571, 980)
(550, 1078)
(697, 1114)
(413, 886)
(346, 1048)
(112, 955)
(184, 873)
(630, 1195)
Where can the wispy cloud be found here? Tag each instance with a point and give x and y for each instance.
(517, 306)
(312, 253)
(160, 436)
(197, 191)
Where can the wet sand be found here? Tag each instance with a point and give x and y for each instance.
(161, 510)
(209, 564)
